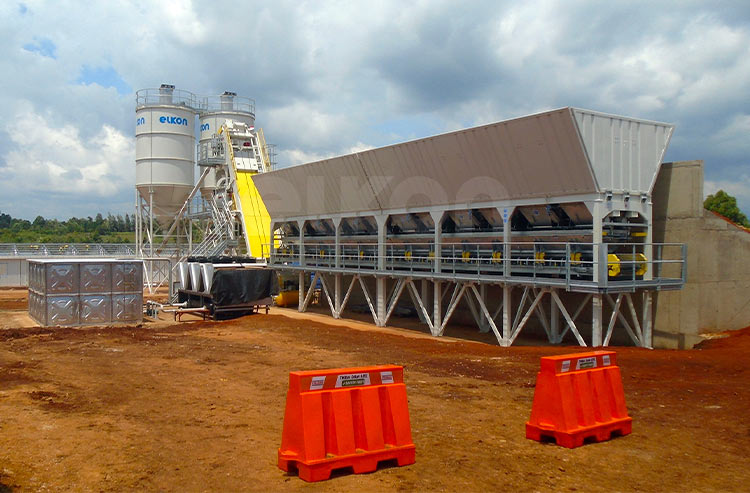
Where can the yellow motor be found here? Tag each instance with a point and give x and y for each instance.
(613, 265)
(639, 259)
(287, 298)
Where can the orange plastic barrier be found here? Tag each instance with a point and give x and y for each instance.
(578, 398)
(346, 417)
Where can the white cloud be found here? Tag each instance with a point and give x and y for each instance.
(59, 160)
(331, 77)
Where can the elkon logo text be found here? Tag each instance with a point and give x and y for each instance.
(173, 120)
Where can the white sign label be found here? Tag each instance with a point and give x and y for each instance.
(585, 363)
(565, 366)
(386, 377)
(317, 383)
(353, 380)
(605, 360)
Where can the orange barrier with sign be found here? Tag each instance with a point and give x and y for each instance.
(346, 417)
(578, 398)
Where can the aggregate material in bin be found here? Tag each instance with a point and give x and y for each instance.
(71, 292)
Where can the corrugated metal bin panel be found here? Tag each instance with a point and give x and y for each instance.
(61, 278)
(127, 307)
(96, 277)
(62, 310)
(127, 277)
(625, 153)
(95, 308)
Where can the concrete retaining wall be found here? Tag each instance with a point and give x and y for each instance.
(717, 294)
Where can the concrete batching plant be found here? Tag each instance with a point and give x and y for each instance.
(555, 207)
(228, 214)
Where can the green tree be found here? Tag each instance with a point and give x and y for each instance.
(726, 205)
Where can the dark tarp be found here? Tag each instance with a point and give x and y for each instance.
(243, 286)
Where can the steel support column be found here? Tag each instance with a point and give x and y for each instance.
(437, 219)
(506, 315)
(596, 320)
(380, 300)
(647, 320)
(554, 318)
(437, 307)
(337, 295)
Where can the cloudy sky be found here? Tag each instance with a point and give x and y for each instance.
(331, 77)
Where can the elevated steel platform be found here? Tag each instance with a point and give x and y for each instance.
(550, 204)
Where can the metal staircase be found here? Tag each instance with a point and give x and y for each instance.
(225, 214)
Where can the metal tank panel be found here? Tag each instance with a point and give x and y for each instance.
(95, 278)
(61, 278)
(127, 308)
(95, 309)
(127, 277)
(62, 310)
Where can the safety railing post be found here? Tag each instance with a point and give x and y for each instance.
(684, 262)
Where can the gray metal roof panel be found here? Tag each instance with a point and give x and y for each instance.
(555, 153)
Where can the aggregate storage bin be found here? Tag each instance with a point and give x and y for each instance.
(68, 292)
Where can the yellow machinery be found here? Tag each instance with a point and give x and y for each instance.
(248, 157)
(618, 263)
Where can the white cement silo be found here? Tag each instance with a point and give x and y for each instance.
(165, 149)
(215, 110)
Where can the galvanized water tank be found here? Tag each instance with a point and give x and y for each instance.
(77, 291)
(215, 110)
(165, 148)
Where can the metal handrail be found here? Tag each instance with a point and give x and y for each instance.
(67, 249)
(525, 260)
(156, 96)
(219, 103)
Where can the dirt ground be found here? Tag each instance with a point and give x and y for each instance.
(199, 406)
